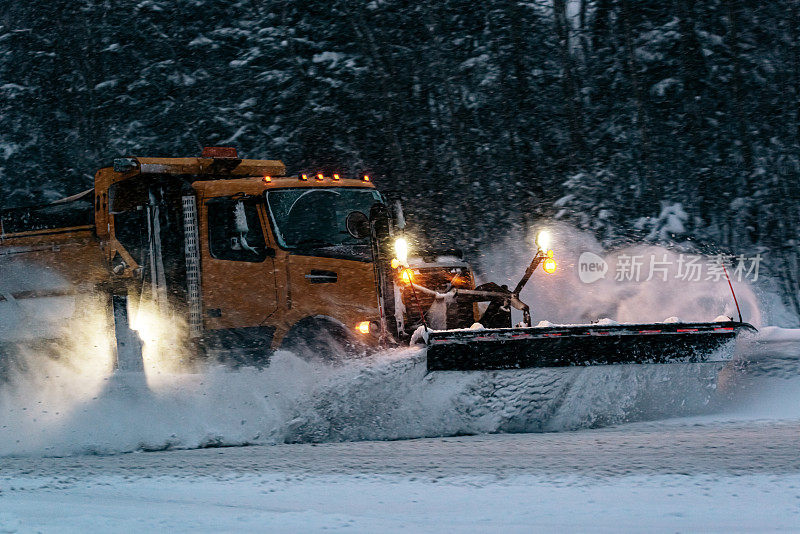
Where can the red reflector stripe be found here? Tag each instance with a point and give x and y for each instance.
(687, 330)
(725, 329)
(552, 335)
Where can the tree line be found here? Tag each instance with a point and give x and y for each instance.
(482, 115)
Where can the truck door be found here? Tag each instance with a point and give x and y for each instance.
(238, 273)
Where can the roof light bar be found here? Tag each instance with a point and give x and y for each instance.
(335, 177)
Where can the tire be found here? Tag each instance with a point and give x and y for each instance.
(322, 340)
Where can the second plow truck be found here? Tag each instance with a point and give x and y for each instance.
(252, 260)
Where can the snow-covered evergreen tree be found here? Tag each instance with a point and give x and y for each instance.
(482, 115)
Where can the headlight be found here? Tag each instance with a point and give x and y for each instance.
(401, 249)
(368, 327)
(363, 327)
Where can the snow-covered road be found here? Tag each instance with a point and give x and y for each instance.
(671, 476)
(733, 468)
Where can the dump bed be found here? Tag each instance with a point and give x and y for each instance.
(50, 257)
(56, 239)
(75, 212)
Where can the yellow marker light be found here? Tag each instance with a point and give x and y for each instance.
(549, 253)
(303, 177)
(549, 266)
(267, 179)
(365, 178)
(401, 249)
(395, 263)
(407, 276)
(543, 240)
(320, 177)
(336, 177)
(363, 327)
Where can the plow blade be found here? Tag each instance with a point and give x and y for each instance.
(580, 345)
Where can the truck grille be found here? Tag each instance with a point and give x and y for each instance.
(459, 315)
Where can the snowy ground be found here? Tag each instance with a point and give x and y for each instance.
(610, 459)
(659, 477)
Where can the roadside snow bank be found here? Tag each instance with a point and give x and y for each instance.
(774, 334)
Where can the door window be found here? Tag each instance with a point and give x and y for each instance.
(234, 230)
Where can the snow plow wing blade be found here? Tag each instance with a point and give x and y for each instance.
(579, 345)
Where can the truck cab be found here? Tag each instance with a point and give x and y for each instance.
(255, 259)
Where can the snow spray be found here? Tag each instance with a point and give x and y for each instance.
(619, 289)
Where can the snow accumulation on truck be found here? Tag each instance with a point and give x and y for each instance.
(252, 260)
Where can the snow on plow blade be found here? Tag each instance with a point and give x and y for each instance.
(580, 345)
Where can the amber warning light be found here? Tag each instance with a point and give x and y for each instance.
(407, 276)
(335, 177)
(549, 265)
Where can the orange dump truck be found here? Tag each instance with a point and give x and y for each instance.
(249, 259)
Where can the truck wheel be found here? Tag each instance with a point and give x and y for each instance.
(322, 340)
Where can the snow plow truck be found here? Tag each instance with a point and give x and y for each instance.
(253, 260)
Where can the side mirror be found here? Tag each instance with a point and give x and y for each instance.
(357, 225)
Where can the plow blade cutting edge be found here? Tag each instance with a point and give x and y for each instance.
(581, 345)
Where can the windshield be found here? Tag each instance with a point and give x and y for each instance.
(307, 218)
